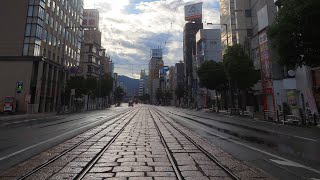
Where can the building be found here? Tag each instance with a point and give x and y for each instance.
(37, 48)
(208, 48)
(189, 51)
(179, 78)
(155, 64)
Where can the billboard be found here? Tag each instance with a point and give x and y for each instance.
(156, 53)
(193, 12)
(90, 18)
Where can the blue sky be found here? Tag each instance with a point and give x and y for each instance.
(130, 28)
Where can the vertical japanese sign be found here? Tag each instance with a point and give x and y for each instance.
(266, 74)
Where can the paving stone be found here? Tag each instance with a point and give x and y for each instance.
(159, 164)
(38, 176)
(161, 174)
(100, 169)
(129, 174)
(144, 160)
(106, 164)
(142, 168)
(121, 168)
(165, 178)
(161, 168)
(197, 178)
(91, 176)
(134, 163)
(126, 160)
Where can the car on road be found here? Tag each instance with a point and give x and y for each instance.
(130, 103)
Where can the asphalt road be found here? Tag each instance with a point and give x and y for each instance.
(286, 152)
(22, 138)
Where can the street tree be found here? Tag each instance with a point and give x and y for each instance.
(118, 95)
(295, 34)
(159, 95)
(212, 76)
(91, 85)
(239, 70)
(179, 92)
(77, 83)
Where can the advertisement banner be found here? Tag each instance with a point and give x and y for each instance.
(90, 18)
(266, 75)
(193, 12)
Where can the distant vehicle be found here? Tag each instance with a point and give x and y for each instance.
(130, 103)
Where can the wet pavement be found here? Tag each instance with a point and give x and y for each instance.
(286, 152)
(140, 144)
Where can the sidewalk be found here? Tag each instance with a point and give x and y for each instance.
(25, 116)
(257, 125)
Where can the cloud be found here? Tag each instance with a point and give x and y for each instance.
(130, 28)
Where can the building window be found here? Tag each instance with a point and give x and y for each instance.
(47, 18)
(248, 13)
(56, 26)
(49, 38)
(51, 22)
(28, 30)
(30, 11)
(249, 32)
(39, 32)
(41, 13)
(53, 6)
(25, 49)
(48, 3)
(45, 34)
(58, 10)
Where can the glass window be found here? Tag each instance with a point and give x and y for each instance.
(25, 49)
(58, 10)
(49, 38)
(53, 5)
(47, 18)
(56, 26)
(45, 34)
(51, 22)
(39, 32)
(61, 14)
(41, 13)
(48, 3)
(28, 30)
(30, 11)
(60, 29)
(248, 13)
(54, 40)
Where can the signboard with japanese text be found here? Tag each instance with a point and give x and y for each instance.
(156, 53)
(193, 12)
(266, 75)
(19, 87)
(90, 18)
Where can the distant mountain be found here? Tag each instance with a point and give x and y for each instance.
(131, 85)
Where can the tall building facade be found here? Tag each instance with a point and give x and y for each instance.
(155, 64)
(41, 41)
(189, 51)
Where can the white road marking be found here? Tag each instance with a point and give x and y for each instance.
(259, 150)
(35, 145)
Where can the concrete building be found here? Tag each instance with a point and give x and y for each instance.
(155, 64)
(37, 48)
(179, 78)
(189, 51)
(208, 48)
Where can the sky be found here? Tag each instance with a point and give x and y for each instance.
(131, 28)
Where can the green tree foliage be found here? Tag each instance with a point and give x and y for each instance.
(91, 84)
(159, 95)
(179, 92)
(212, 75)
(239, 68)
(77, 83)
(295, 33)
(106, 86)
(118, 94)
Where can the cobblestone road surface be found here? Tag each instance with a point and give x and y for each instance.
(141, 144)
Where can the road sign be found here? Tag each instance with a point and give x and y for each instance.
(19, 87)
